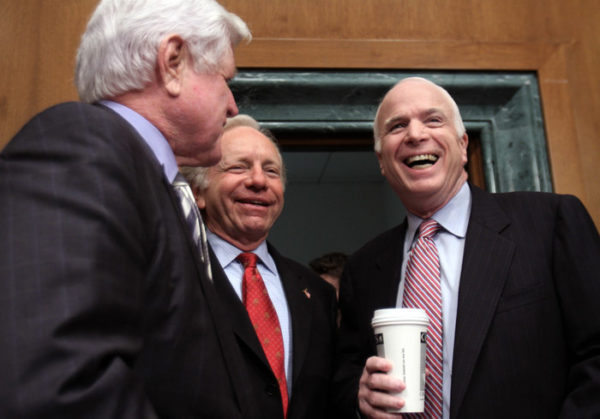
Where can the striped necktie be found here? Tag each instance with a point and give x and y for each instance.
(422, 289)
(193, 219)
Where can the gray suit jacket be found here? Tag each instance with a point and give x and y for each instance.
(527, 341)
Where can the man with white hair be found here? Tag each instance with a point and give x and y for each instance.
(106, 308)
(509, 281)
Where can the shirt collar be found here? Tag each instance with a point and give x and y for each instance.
(453, 217)
(227, 253)
(151, 135)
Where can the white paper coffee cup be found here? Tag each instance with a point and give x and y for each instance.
(401, 336)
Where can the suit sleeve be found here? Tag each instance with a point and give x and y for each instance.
(73, 252)
(576, 250)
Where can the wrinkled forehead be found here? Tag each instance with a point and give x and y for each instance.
(413, 96)
(245, 141)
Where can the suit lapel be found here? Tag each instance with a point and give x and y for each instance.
(240, 322)
(486, 260)
(388, 266)
(233, 361)
(297, 294)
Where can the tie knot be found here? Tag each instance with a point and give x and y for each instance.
(428, 228)
(248, 259)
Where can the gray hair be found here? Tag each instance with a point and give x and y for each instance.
(197, 177)
(118, 50)
(458, 122)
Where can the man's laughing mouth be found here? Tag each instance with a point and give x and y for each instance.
(253, 202)
(421, 161)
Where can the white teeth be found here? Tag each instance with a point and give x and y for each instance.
(430, 158)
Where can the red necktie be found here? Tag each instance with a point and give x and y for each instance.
(264, 319)
(422, 289)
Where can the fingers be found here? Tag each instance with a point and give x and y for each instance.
(376, 389)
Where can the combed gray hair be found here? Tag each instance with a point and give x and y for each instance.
(118, 50)
(458, 122)
(197, 177)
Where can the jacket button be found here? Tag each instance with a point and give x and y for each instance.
(271, 390)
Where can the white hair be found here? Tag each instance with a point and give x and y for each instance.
(197, 176)
(118, 50)
(458, 122)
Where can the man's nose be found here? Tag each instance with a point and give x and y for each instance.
(415, 131)
(257, 177)
(232, 109)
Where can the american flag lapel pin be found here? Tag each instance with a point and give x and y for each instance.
(305, 291)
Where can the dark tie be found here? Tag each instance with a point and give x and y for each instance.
(193, 219)
(422, 289)
(264, 319)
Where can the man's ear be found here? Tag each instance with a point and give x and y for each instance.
(199, 197)
(464, 143)
(171, 61)
(378, 154)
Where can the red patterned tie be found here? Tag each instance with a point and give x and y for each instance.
(265, 320)
(422, 289)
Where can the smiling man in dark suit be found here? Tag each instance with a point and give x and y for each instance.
(241, 198)
(518, 275)
(106, 309)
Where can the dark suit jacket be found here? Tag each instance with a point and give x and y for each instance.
(527, 341)
(312, 305)
(105, 311)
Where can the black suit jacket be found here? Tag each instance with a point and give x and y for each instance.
(527, 342)
(312, 305)
(105, 311)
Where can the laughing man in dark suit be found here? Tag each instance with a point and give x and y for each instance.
(241, 198)
(106, 310)
(520, 280)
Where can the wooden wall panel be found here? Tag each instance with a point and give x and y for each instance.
(584, 91)
(560, 40)
(38, 42)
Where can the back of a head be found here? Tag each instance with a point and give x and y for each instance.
(118, 50)
(329, 263)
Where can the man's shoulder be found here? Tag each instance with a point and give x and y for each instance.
(297, 268)
(77, 136)
(389, 239)
(534, 202)
(73, 111)
(80, 119)
(529, 209)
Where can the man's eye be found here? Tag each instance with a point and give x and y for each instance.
(396, 126)
(274, 172)
(235, 168)
(434, 120)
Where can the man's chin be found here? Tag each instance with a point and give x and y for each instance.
(204, 159)
(210, 159)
